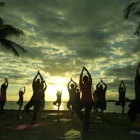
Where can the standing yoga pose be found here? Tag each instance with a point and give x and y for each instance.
(36, 97)
(3, 98)
(58, 100)
(20, 101)
(86, 100)
(72, 96)
(135, 105)
(101, 88)
(122, 91)
(44, 87)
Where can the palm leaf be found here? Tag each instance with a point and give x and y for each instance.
(137, 13)
(129, 9)
(2, 4)
(137, 31)
(11, 46)
(1, 21)
(9, 30)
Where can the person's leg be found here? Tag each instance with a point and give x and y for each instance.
(78, 109)
(2, 106)
(54, 103)
(36, 107)
(20, 105)
(28, 106)
(68, 105)
(123, 110)
(101, 114)
(41, 108)
(133, 111)
(88, 108)
(73, 108)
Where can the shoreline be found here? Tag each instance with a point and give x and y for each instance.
(55, 111)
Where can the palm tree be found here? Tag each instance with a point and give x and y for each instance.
(8, 31)
(132, 8)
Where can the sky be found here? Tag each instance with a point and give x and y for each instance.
(62, 36)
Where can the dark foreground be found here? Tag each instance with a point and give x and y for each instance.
(16, 126)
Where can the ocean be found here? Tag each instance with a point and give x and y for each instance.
(111, 107)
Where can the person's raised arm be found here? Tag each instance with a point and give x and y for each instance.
(41, 77)
(119, 86)
(45, 85)
(89, 75)
(68, 85)
(24, 90)
(19, 90)
(6, 82)
(74, 83)
(33, 83)
(97, 86)
(80, 80)
(104, 85)
(137, 71)
(124, 86)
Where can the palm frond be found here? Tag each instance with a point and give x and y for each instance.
(129, 9)
(2, 4)
(9, 45)
(9, 30)
(1, 21)
(137, 13)
(137, 31)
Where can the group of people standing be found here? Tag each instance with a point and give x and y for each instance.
(86, 101)
(38, 98)
(80, 97)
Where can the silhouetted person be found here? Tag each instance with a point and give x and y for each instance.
(101, 88)
(20, 101)
(77, 95)
(58, 100)
(135, 105)
(44, 87)
(122, 91)
(3, 98)
(86, 101)
(72, 96)
(36, 97)
(95, 109)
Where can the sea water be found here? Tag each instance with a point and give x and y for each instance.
(111, 107)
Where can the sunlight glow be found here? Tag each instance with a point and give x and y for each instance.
(57, 83)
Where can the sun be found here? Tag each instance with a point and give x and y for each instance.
(57, 83)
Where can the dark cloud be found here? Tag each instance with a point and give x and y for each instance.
(61, 36)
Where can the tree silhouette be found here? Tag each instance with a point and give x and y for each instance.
(8, 31)
(133, 8)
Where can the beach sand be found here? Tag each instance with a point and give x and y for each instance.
(17, 126)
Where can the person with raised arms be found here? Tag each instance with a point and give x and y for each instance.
(101, 88)
(86, 101)
(72, 96)
(135, 105)
(3, 96)
(36, 97)
(20, 101)
(43, 89)
(122, 91)
(58, 100)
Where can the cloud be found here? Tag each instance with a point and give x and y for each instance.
(61, 36)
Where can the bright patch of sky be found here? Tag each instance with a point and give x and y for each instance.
(63, 36)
